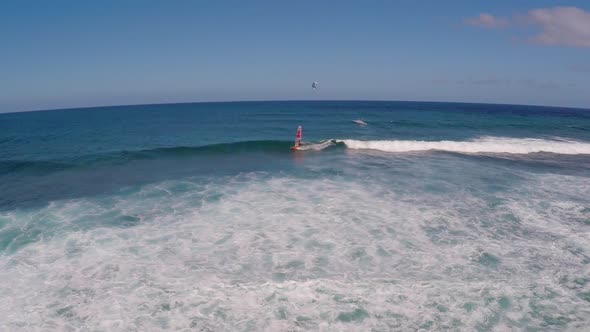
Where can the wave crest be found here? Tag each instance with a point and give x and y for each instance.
(479, 145)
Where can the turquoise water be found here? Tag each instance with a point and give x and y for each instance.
(432, 216)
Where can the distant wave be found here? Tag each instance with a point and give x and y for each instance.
(479, 145)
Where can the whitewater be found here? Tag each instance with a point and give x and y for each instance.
(478, 145)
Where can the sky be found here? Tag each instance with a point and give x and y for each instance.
(63, 54)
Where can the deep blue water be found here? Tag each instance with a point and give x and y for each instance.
(430, 216)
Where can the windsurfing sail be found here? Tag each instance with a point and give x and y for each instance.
(314, 85)
(297, 139)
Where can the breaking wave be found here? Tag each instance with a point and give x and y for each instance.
(500, 145)
(479, 145)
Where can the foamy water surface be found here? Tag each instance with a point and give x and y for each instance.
(261, 252)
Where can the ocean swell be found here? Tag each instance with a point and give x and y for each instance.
(121, 157)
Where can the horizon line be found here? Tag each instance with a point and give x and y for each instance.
(288, 100)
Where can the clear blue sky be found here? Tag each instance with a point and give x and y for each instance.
(57, 54)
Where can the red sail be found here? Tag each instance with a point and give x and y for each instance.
(298, 137)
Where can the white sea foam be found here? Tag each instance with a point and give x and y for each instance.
(317, 146)
(479, 145)
(278, 254)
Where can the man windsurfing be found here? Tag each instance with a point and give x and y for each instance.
(297, 139)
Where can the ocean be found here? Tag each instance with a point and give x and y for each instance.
(432, 216)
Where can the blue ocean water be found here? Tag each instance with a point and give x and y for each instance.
(432, 216)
